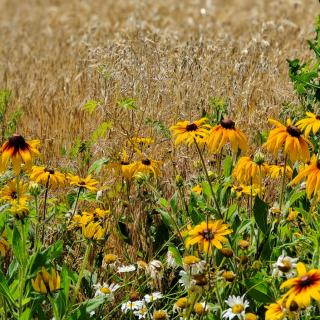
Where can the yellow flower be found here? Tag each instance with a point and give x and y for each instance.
(4, 245)
(147, 166)
(310, 123)
(186, 131)
(302, 288)
(93, 231)
(123, 167)
(87, 183)
(19, 151)
(276, 171)
(110, 258)
(246, 190)
(46, 282)
(295, 146)
(208, 235)
(224, 133)
(247, 171)
(250, 316)
(312, 173)
(160, 315)
(19, 211)
(197, 189)
(275, 311)
(42, 174)
(10, 193)
(292, 215)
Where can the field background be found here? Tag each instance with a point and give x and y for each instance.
(170, 56)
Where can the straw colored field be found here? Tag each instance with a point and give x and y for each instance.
(170, 56)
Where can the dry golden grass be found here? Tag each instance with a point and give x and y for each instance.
(170, 56)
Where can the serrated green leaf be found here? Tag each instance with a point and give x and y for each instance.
(91, 105)
(101, 130)
(97, 165)
(127, 103)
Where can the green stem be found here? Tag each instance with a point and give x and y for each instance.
(283, 183)
(208, 179)
(81, 273)
(22, 270)
(45, 209)
(75, 205)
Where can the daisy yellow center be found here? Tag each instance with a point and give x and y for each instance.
(227, 124)
(146, 162)
(237, 308)
(191, 127)
(189, 260)
(207, 234)
(294, 131)
(305, 281)
(105, 290)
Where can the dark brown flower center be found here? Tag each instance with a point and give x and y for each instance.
(13, 195)
(318, 117)
(146, 162)
(207, 234)
(227, 123)
(305, 281)
(51, 171)
(17, 142)
(294, 131)
(82, 183)
(191, 127)
(318, 164)
(124, 163)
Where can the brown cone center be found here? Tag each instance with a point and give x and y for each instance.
(294, 131)
(227, 123)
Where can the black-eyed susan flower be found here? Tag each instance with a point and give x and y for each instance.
(312, 173)
(276, 311)
(85, 183)
(10, 192)
(19, 151)
(93, 231)
(250, 170)
(197, 189)
(123, 167)
(46, 282)
(276, 171)
(311, 123)
(226, 132)
(4, 245)
(147, 166)
(19, 211)
(242, 189)
(45, 176)
(208, 235)
(187, 132)
(290, 138)
(303, 288)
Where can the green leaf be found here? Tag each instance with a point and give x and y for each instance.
(176, 254)
(259, 290)
(97, 165)
(5, 291)
(260, 211)
(227, 169)
(101, 130)
(26, 315)
(127, 103)
(91, 105)
(17, 245)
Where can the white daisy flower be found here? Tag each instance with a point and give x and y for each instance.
(186, 280)
(131, 305)
(141, 312)
(153, 296)
(171, 261)
(194, 264)
(285, 265)
(128, 268)
(155, 270)
(106, 290)
(237, 307)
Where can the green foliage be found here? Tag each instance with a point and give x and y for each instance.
(306, 75)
